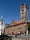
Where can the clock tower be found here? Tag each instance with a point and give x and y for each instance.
(24, 15)
(24, 12)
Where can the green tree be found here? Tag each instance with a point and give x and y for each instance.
(29, 27)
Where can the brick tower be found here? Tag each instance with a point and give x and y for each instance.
(24, 12)
(24, 15)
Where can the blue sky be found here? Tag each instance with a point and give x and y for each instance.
(10, 9)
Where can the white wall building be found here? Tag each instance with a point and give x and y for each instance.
(1, 26)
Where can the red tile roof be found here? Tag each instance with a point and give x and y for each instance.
(17, 22)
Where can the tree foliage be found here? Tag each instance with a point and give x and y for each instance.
(29, 26)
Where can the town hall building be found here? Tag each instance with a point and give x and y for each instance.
(16, 27)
